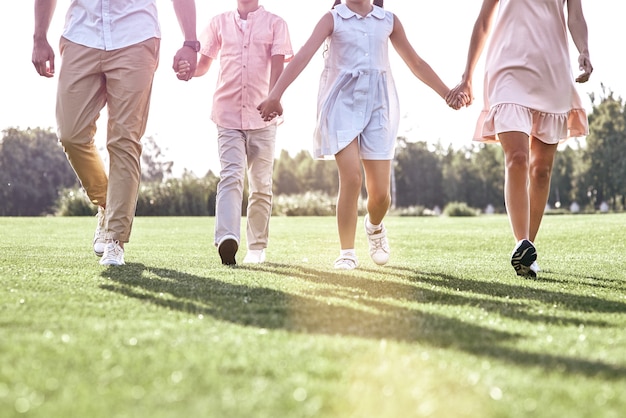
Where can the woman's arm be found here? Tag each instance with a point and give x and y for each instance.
(578, 29)
(480, 33)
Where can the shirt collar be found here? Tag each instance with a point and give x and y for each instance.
(251, 14)
(345, 12)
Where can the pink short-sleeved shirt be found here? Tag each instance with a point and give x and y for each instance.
(245, 49)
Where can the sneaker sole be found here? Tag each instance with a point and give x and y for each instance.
(522, 259)
(227, 251)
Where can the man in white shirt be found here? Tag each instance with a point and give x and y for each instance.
(110, 51)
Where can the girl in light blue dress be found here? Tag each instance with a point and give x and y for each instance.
(357, 112)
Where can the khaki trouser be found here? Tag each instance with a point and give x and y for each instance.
(122, 80)
(238, 149)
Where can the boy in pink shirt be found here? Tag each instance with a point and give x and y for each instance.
(252, 45)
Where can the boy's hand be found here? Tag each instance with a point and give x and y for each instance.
(270, 109)
(183, 69)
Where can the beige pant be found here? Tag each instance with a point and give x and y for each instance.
(238, 150)
(122, 80)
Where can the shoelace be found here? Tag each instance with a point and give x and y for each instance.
(112, 253)
(378, 243)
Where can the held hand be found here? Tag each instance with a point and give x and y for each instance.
(460, 96)
(584, 64)
(188, 56)
(270, 109)
(183, 69)
(43, 58)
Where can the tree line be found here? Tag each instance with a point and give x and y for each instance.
(36, 179)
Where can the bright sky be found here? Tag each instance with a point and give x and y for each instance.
(179, 115)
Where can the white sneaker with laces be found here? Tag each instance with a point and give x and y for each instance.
(98, 237)
(254, 257)
(378, 244)
(113, 254)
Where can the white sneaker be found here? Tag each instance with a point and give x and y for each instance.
(254, 257)
(113, 254)
(346, 262)
(379, 247)
(98, 237)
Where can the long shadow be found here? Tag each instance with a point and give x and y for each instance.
(416, 286)
(375, 318)
(566, 300)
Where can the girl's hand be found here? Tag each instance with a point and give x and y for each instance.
(460, 96)
(584, 64)
(270, 109)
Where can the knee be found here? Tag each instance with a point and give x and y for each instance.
(351, 181)
(517, 160)
(541, 170)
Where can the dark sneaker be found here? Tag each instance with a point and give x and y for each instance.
(523, 257)
(227, 250)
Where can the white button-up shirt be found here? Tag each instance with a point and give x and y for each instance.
(111, 24)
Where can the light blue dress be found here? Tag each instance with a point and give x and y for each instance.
(357, 95)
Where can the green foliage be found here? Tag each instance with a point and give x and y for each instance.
(411, 211)
(74, 202)
(459, 209)
(418, 175)
(187, 196)
(33, 169)
(308, 204)
(605, 152)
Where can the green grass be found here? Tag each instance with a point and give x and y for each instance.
(444, 330)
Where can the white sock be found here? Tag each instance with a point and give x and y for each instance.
(371, 227)
(349, 252)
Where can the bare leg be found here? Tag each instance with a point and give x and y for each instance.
(541, 162)
(516, 159)
(350, 181)
(377, 174)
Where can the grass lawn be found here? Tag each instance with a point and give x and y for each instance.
(446, 329)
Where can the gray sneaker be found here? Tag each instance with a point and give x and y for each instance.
(98, 237)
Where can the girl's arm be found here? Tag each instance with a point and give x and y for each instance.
(276, 69)
(482, 27)
(271, 107)
(418, 66)
(578, 28)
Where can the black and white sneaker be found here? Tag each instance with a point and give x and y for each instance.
(523, 257)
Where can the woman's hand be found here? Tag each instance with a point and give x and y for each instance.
(584, 64)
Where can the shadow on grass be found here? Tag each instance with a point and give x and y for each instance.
(351, 305)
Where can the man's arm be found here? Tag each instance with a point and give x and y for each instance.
(43, 54)
(186, 13)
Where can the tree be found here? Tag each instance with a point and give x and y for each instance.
(605, 153)
(285, 179)
(154, 167)
(33, 169)
(418, 175)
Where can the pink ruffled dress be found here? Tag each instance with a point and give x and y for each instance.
(529, 86)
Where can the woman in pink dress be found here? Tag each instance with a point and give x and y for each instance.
(531, 103)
